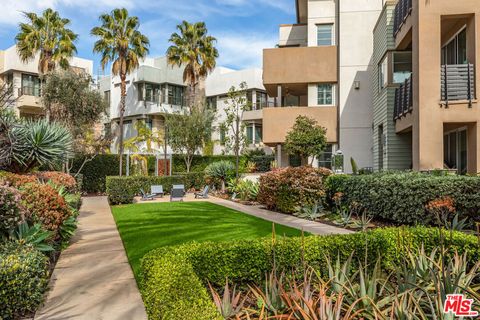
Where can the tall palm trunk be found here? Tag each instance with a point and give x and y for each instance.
(122, 112)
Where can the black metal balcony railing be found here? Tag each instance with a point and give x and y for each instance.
(403, 99)
(402, 10)
(458, 82)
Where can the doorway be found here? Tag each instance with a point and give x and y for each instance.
(455, 153)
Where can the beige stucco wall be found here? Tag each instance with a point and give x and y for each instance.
(299, 65)
(278, 121)
(429, 116)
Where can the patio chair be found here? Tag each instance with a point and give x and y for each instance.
(203, 194)
(177, 193)
(157, 191)
(145, 196)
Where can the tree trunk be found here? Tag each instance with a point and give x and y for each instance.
(188, 162)
(122, 112)
(237, 148)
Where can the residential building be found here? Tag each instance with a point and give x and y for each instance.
(25, 81)
(427, 69)
(321, 69)
(154, 89)
(217, 86)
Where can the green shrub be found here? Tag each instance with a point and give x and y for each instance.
(401, 197)
(59, 179)
(12, 212)
(199, 163)
(23, 279)
(285, 189)
(122, 190)
(94, 172)
(262, 163)
(174, 278)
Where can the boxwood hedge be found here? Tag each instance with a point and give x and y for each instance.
(401, 197)
(23, 279)
(174, 278)
(122, 190)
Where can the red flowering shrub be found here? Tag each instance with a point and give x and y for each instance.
(59, 179)
(45, 205)
(12, 213)
(285, 189)
(16, 180)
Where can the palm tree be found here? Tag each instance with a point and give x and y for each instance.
(48, 35)
(121, 43)
(194, 49)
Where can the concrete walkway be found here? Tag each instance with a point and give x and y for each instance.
(93, 279)
(280, 218)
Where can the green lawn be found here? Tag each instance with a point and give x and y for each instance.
(147, 226)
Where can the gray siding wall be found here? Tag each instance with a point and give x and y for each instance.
(397, 151)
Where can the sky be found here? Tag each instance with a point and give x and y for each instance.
(242, 27)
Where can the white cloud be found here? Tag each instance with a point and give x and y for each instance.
(242, 50)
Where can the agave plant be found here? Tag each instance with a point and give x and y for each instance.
(35, 236)
(313, 212)
(363, 223)
(270, 298)
(40, 143)
(345, 218)
(220, 170)
(231, 304)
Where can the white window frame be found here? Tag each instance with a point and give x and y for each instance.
(332, 34)
(333, 86)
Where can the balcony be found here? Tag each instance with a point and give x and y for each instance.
(403, 9)
(403, 99)
(278, 121)
(458, 83)
(299, 65)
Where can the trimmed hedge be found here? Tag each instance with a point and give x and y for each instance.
(263, 163)
(174, 278)
(122, 190)
(401, 197)
(23, 279)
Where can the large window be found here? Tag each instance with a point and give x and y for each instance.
(325, 94)
(324, 34)
(455, 51)
(175, 95)
(402, 66)
(250, 129)
(148, 92)
(30, 85)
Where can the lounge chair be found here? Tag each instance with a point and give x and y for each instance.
(177, 193)
(157, 191)
(146, 196)
(203, 194)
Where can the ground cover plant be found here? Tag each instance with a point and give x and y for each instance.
(147, 226)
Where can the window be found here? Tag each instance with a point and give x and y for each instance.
(325, 94)
(258, 134)
(212, 103)
(222, 136)
(148, 92)
(402, 66)
(30, 85)
(261, 100)
(250, 128)
(383, 73)
(140, 92)
(149, 123)
(325, 158)
(455, 51)
(106, 97)
(324, 34)
(175, 95)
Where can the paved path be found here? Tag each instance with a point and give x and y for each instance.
(93, 279)
(280, 218)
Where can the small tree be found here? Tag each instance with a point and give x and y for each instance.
(236, 104)
(306, 139)
(188, 132)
